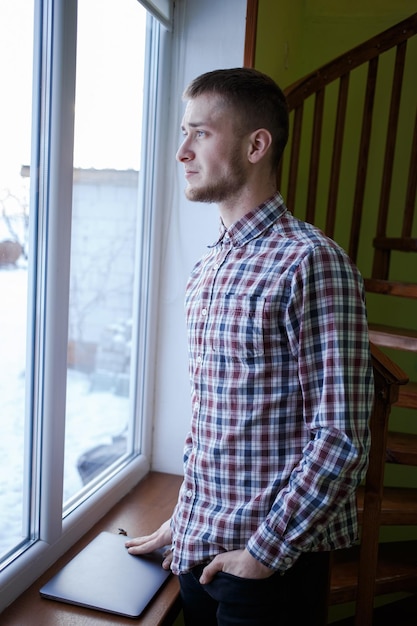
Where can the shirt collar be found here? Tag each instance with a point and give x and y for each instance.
(253, 223)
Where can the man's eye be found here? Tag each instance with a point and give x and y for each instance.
(200, 133)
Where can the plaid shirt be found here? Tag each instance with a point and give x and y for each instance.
(282, 389)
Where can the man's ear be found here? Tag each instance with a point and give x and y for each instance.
(259, 143)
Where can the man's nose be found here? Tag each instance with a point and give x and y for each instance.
(184, 153)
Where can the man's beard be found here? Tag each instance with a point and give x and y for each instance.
(225, 187)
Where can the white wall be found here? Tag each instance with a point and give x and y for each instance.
(208, 34)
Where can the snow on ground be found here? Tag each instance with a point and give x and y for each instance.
(92, 417)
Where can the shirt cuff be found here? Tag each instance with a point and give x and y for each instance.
(271, 550)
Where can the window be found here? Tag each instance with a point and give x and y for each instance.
(16, 41)
(74, 260)
(100, 429)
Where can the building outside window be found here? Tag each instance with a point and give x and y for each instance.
(74, 248)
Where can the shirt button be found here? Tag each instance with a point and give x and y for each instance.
(199, 358)
(203, 311)
(288, 560)
(189, 493)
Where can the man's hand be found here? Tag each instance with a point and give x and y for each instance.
(158, 539)
(238, 563)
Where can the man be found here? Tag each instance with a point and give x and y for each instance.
(281, 378)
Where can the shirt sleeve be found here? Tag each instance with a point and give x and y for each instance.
(327, 332)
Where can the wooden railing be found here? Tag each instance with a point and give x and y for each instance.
(351, 169)
(388, 377)
(374, 105)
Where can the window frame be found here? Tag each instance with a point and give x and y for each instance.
(49, 533)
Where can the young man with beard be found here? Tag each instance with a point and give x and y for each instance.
(281, 378)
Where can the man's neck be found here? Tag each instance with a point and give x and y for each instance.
(235, 208)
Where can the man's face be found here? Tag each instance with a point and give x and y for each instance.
(212, 152)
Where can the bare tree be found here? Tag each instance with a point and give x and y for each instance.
(14, 212)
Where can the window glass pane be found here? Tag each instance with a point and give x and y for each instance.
(16, 54)
(108, 115)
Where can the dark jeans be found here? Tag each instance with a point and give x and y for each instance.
(297, 597)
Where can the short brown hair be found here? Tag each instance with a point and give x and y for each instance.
(256, 98)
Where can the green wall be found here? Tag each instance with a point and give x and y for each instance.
(295, 37)
(278, 38)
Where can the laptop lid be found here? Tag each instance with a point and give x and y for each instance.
(105, 577)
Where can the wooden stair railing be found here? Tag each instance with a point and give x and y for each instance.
(314, 85)
(354, 573)
(351, 169)
(334, 154)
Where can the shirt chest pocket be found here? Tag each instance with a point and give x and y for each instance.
(236, 326)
